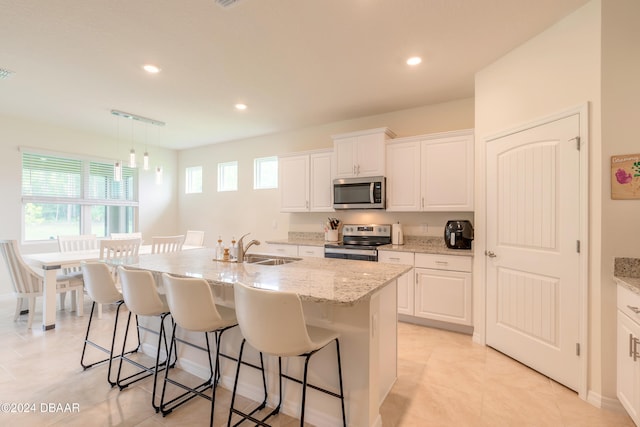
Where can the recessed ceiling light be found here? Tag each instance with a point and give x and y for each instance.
(241, 106)
(414, 60)
(150, 68)
(5, 74)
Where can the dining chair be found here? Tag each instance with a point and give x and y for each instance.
(28, 285)
(193, 308)
(273, 323)
(165, 244)
(117, 248)
(76, 243)
(136, 235)
(194, 238)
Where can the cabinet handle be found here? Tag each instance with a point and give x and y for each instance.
(394, 259)
(307, 204)
(442, 262)
(636, 310)
(630, 345)
(635, 349)
(358, 170)
(354, 169)
(416, 278)
(308, 252)
(422, 203)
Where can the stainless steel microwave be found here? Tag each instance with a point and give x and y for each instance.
(359, 193)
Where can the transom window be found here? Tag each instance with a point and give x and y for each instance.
(265, 173)
(65, 195)
(228, 176)
(193, 179)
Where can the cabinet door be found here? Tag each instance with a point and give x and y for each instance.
(321, 182)
(447, 174)
(443, 295)
(345, 161)
(281, 249)
(294, 183)
(405, 282)
(628, 369)
(311, 251)
(403, 177)
(369, 155)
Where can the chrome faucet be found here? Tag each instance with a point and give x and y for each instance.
(242, 250)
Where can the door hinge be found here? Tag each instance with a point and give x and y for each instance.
(578, 246)
(577, 140)
(577, 349)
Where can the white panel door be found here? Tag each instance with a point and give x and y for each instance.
(403, 177)
(533, 215)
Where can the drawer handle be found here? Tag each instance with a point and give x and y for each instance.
(394, 259)
(636, 310)
(442, 262)
(308, 252)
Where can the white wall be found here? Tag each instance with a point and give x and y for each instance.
(158, 212)
(620, 112)
(258, 211)
(590, 56)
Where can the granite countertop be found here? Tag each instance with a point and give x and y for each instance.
(626, 272)
(416, 244)
(335, 281)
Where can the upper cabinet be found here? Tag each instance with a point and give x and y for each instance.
(361, 154)
(305, 182)
(431, 173)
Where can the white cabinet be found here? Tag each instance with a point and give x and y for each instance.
(405, 282)
(431, 173)
(403, 176)
(447, 173)
(281, 249)
(361, 153)
(311, 251)
(628, 349)
(443, 288)
(305, 182)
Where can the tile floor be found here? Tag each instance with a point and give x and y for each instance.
(443, 380)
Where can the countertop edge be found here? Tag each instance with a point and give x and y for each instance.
(415, 248)
(630, 283)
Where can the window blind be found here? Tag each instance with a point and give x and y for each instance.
(50, 176)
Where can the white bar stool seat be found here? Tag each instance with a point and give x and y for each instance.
(142, 299)
(274, 323)
(193, 308)
(101, 288)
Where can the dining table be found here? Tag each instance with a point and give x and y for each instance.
(52, 263)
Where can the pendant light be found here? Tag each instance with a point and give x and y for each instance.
(132, 152)
(117, 166)
(145, 157)
(158, 175)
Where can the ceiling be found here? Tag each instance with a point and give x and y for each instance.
(295, 63)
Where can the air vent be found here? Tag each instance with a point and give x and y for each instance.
(5, 74)
(227, 3)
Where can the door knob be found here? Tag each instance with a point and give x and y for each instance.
(490, 254)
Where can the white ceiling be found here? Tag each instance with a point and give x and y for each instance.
(295, 63)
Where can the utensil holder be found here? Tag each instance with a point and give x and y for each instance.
(331, 236)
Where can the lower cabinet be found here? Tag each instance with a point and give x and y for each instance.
(284, 249)
(443, 288)
(405, 282)
(628, 349)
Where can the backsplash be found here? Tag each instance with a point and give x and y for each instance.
(626, 267)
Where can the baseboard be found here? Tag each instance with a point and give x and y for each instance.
(608, 403)
(454, 327)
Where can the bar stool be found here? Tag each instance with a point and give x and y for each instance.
(273, 323)
(193, 308)
(142, 299)
(101, 288)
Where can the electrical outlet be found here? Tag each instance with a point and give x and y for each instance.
(425, 228)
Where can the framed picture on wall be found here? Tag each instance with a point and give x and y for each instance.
(625, 177)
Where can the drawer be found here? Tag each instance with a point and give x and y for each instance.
(311, 251)
(444, 262)
(283, 249)
(392, 257)
(629, 303)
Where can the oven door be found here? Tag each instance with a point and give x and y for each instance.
(354, 254)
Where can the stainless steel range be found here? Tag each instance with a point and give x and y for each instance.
(359, 242)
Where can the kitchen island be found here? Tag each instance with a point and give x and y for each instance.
(356, 298)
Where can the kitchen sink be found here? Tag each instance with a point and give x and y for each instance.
(269, 260)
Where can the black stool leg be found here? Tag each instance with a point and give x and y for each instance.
(344, 417)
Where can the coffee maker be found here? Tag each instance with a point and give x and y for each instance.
(458, 234)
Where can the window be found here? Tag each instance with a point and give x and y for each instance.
(72, 196)
(228, 176)
(265, 173)
(193, 179)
